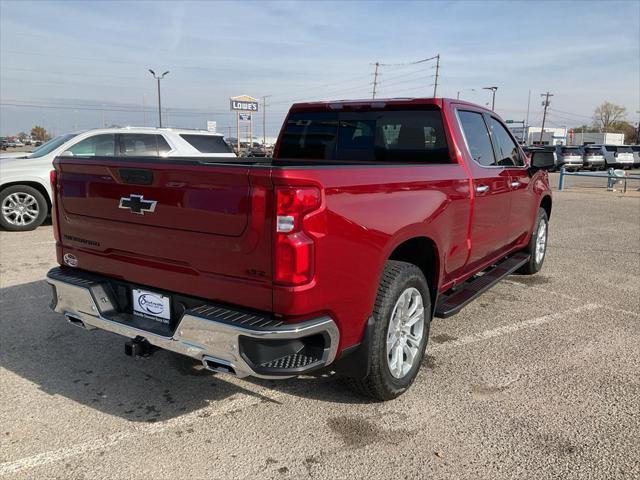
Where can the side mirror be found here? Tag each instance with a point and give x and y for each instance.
(67, 153)
(542, 160)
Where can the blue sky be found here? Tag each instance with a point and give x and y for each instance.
(71, 64)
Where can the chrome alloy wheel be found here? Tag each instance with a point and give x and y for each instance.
(541, 241)
(20, 209)
(406, 329)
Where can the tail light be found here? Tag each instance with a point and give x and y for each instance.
(53, 178)
(294, 245)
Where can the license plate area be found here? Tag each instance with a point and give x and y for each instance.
(152, 305)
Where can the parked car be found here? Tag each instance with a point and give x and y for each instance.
(636, 155)
(334, 253)
(568, 156)
(617, 156)
(3, 144)
(593, 158)
(624, 157)
(25, 192)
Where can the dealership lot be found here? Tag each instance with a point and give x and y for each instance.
(536, 379)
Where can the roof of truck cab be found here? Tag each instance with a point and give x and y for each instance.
(381, 103)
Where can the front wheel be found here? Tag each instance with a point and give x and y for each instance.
(537, 248)
(402, 316)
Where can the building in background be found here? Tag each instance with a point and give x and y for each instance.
(597, 138)
(531, 135)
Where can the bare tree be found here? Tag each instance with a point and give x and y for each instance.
(608, 115)
(39, 133)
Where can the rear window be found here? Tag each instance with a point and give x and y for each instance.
(373, 136)
(610, 148)
(625, 150)
(592, 150)
(572, 150)
(207, 143)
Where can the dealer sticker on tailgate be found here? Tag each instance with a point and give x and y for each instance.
(152, 305)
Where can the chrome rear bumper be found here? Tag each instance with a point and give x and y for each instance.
(213, 334)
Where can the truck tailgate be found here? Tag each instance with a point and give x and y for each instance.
(202, 230)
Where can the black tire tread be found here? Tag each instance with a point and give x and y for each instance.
(374, 385)
(531, 268)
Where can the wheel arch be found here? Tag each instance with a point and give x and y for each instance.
(546, 203)
(422, 252)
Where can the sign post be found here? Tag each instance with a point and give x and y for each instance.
(244, 105)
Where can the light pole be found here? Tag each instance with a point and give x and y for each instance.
(493, 98)
(465, 90)
(158, 78)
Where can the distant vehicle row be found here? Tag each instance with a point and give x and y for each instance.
(592, 157)
(25, 189)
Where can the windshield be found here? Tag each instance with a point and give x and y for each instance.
(51, 145)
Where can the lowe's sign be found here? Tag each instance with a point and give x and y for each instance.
(244, 103)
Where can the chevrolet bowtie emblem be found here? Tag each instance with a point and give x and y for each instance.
(137, 204)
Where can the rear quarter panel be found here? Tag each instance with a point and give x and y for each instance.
(368, 211)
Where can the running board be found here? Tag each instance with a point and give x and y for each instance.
(451, 303)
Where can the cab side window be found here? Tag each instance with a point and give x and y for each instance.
(506, 147)
(96, 146)
(477, 137)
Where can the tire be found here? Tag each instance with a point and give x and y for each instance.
(22, 208)
(399, 280)
(536, 260)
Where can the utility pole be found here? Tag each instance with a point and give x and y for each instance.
(375, 79)
(435, 84)
(264, 120)
(545, 103)
(525, 127)
(158, 78)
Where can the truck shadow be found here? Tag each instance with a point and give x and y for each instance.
(90, 367)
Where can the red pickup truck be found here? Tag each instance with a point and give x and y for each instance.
(372, 217)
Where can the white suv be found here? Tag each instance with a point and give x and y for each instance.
(25, 192)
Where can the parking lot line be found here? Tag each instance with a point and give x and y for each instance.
(569, 297)
(53, 456)
(511, 328)
(248, 401)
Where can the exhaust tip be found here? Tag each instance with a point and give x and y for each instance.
(76, 322)
(217, 365)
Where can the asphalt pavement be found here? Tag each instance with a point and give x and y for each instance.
(539, 378)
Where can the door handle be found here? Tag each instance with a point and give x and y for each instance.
(482, 188)
(515, 184)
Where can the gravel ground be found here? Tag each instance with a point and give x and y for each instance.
(539, 378)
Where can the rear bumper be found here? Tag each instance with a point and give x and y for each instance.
(594, 163)
(570, 163)
(223, 338)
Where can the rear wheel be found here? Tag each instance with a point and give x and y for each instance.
(402, 316)
(22, 208)
(537, 248)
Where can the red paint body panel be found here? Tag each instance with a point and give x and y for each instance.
(212, 232)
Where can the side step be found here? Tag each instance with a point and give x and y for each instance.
(451, 303)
